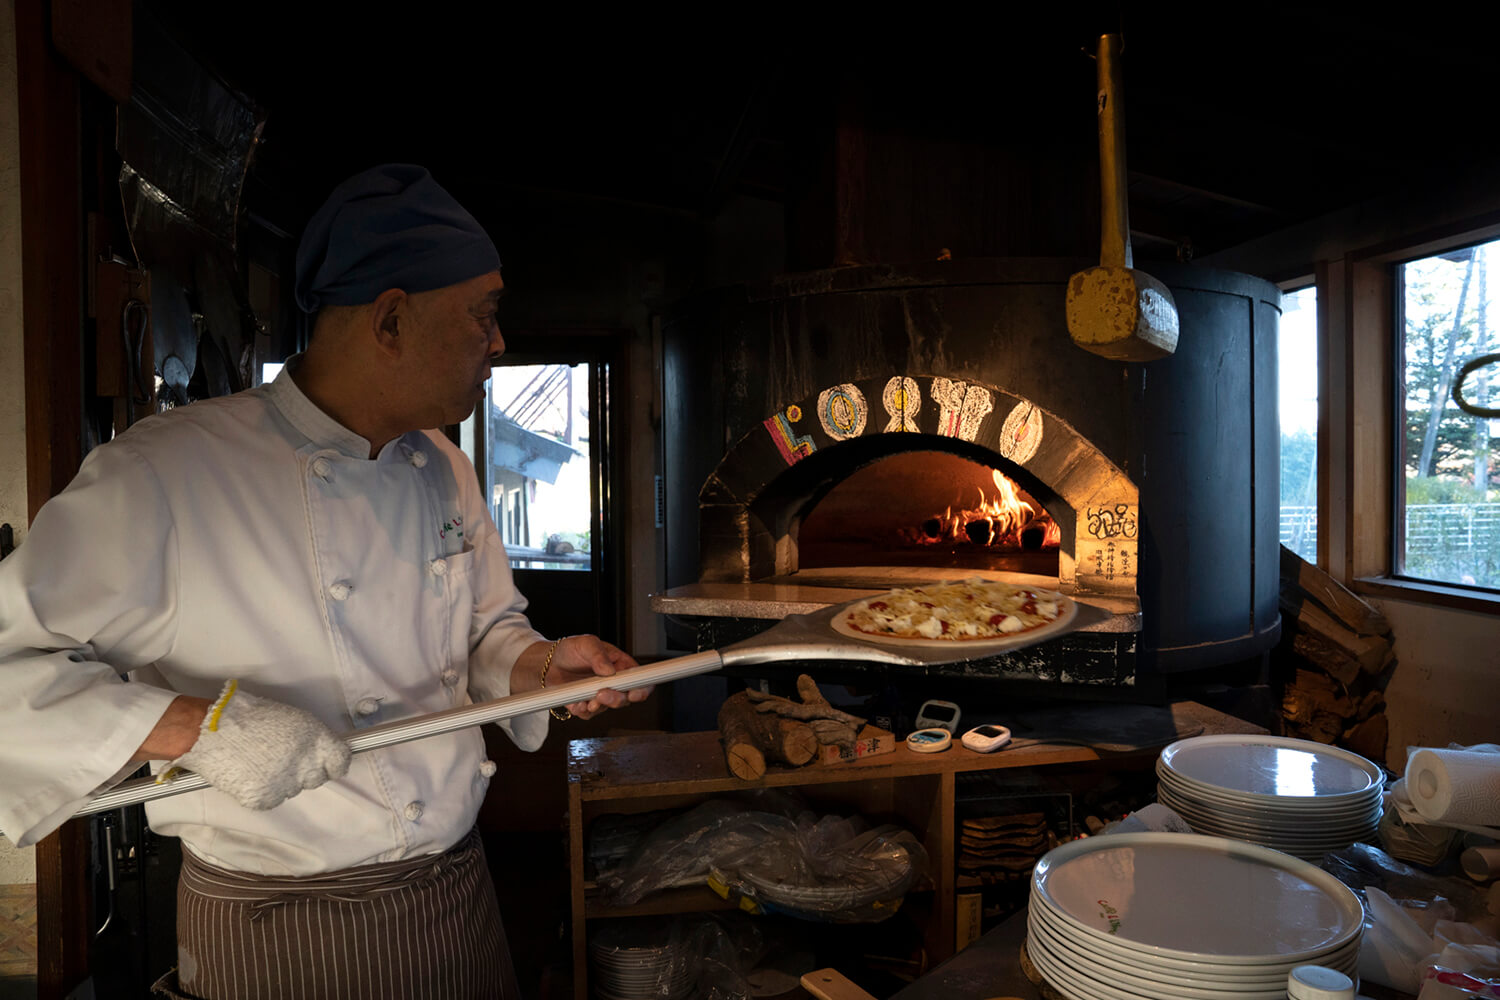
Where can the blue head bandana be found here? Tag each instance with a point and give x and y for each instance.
(391, 226)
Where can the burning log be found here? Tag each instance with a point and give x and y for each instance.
(1340, 652)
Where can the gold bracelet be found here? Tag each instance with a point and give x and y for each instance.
(546, 666)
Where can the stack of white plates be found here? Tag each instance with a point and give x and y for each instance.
(1296, 796)
(641, 964)
(1175, 915)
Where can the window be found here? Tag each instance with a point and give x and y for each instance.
(1448, 497)
(537, 471)
(547, 454)
(1297, 358)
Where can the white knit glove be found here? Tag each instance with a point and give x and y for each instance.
(262, 752)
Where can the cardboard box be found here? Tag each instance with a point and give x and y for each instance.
(871, 742)
(970, 906)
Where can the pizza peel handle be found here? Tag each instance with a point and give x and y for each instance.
(794, 638)
(406, 730)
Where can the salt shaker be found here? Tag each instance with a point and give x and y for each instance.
(1314, 982)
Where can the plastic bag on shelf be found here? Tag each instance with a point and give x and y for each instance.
(831, 869)
(680, 851)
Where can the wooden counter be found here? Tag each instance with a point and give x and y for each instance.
(633, 774)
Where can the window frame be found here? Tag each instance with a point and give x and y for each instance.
(1369, 310)
(1398, 429)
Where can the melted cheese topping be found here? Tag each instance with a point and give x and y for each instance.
(966, 609)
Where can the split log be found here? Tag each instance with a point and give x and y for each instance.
(750, 738)
(1326, 656)
(1369, 651)
(777, 705)
(1368, 738)
(831, 732)
(1315, 707)
(807, 690)
(1359, 616)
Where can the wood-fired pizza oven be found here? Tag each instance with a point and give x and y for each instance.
(866, 425)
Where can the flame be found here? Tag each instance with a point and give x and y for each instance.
(993, 521)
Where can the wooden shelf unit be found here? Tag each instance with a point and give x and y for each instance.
(641, 773)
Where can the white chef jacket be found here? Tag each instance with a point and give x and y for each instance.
(251, 536)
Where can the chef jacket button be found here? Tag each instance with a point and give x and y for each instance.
(340, 591)
(321, 467)
(413, 810)
(488, 768)
(368, 706)
(438, 567)
(418, 458)
(450, 677)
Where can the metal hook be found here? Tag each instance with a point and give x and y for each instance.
(1458, 384)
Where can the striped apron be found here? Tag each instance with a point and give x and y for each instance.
(424, 927)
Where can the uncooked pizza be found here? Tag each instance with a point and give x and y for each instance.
(966, 610)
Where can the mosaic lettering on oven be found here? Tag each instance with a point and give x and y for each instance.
(902, 401)
(1021, 434)
(1111, 522)
(963, 407)
(842, 411)
(793, 447)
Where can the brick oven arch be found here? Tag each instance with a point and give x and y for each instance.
(751, 505)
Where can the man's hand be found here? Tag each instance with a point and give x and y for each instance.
(262, 752)
(582, 656)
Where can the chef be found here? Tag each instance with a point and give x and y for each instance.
(228, 585)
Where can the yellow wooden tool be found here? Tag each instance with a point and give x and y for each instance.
(1113, 309)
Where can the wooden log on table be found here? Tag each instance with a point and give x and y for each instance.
(750, 738)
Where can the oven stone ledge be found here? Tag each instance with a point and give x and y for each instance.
(777, 600)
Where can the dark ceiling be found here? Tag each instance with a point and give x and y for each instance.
(1237, 125)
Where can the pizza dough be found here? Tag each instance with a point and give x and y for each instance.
(974, 610)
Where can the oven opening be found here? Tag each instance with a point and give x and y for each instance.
(932, 508)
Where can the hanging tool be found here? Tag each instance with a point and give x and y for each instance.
(1114, 310)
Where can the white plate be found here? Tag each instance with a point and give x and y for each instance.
(1079, 982)
(1271, 811)
(1272, 767)
(1289, 805)
(1194, 897)
(1067, 611)
(1119, 975)
(1313, 826)
(1086, 945)
(1271, 808)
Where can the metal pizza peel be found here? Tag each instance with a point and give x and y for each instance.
(796, 637)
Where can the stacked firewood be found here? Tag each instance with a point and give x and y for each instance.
(755, 727)
(1003, 848)
(1339, 648)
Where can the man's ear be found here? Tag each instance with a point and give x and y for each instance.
(388, 312)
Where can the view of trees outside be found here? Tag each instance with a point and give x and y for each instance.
(1452, 468)
(1297, 358)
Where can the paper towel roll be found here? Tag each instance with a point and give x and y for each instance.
(1480, 863)
(1455, 786)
